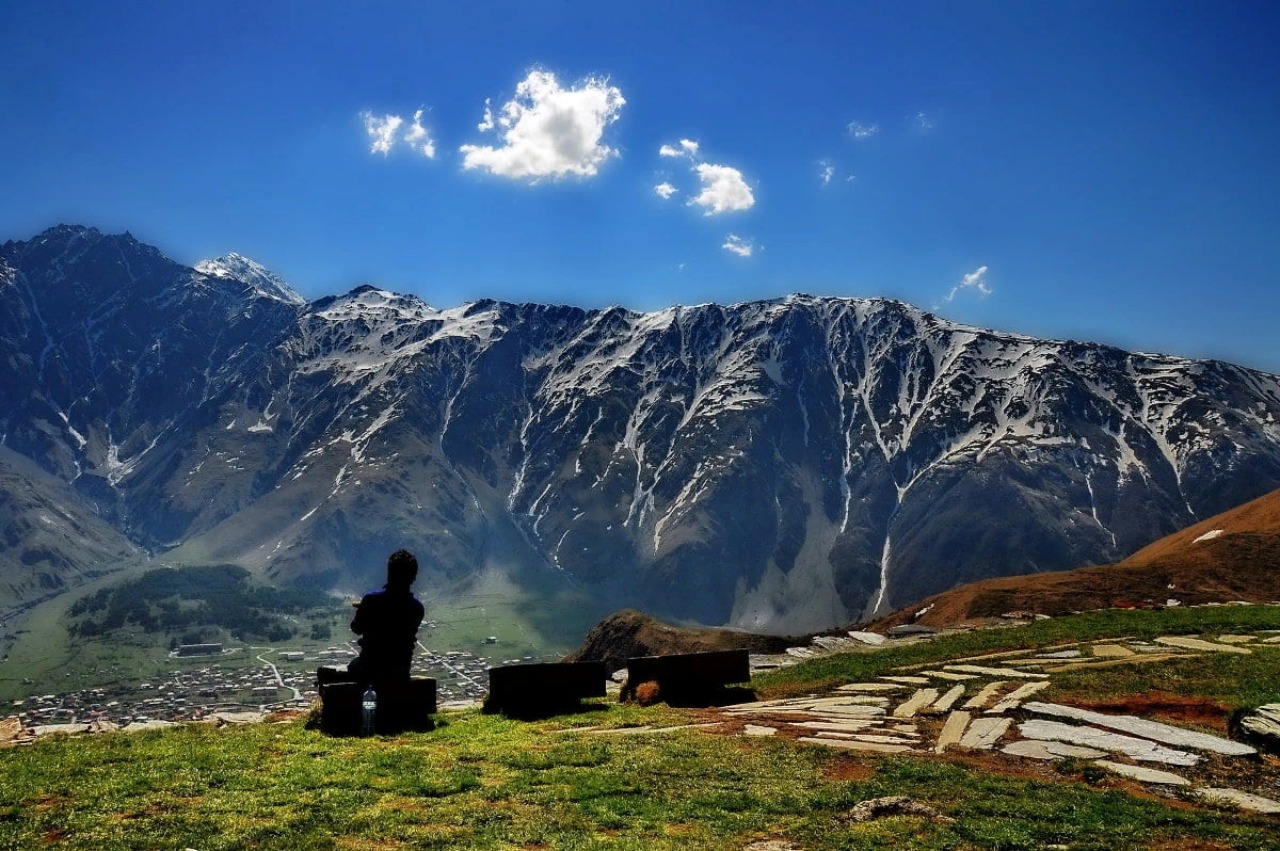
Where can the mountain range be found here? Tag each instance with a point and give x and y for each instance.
(780, 466)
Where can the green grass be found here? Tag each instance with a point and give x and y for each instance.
(486, 782)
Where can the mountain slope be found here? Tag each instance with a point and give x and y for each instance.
(1231, 556)
(781, 466)
(49, 538)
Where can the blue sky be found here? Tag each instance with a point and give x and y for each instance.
(1103, 171)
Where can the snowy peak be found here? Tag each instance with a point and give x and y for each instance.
(253, 275)
(783, 465)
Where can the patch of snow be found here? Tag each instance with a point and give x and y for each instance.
(1208, 536)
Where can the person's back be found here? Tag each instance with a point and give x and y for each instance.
(387, 622)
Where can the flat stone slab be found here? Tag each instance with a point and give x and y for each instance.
(138, 726)
(907, 680)
(842, 712)
(952, 729)
(1275, 640)
(1061, 654)
(646, 728)
(843, 700)
(1112, 651)
(871, 638)
(993, 672)
(870, 688)
(983, 733)
(238, 717)
(58, 729)
(1141, 647)
(1237, 639)
(1036, 749)
(853, 745)
(1142, 659)
(1143, 774)
(764, 704)
(1092, 737)
(838, 726)
(909, 707)
(801, 652)
(881, 739)
(982, 698)
(950, 675)
(948, 700)
(1242, 800)
(1200, 644)
(1014, 698)
(758, 730)
(1154, 730)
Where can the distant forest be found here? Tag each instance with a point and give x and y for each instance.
(194, 603)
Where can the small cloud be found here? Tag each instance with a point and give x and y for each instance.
(738, 245)
(827, 173)
(382, 130)
(547, 130)
(417, 137)
(665, 190)
(975, 280)
(686, 148)
(723, 190)
(923, 122)
(858, 130)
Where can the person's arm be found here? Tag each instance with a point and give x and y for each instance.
(358, 622)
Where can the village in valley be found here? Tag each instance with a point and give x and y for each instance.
(209, 681)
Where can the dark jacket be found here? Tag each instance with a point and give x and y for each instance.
(387, 622)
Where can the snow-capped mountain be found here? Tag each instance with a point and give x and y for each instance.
(781, 465)
(253, 275)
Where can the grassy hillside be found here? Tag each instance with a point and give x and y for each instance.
(1231, 556)
(486, 782)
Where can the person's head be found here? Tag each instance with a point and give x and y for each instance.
(402, 568)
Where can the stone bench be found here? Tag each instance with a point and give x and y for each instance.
(686, 679)
(543, 688)
(407, 707)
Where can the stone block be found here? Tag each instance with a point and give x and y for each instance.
(543, 688)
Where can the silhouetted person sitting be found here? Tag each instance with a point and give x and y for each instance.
(387, 622)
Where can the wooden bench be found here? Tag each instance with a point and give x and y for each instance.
(401, 708)
(543, 688)
(688, 679)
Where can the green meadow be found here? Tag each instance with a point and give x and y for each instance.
(479, 781)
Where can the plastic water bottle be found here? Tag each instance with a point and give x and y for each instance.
(369, 703)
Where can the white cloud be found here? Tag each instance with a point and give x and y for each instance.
(419, 138)
(738, 245)
(665, 190)
(382, 130)
(858, 130)
(924, 122)
(828, 171)
(723, 190)
(687, 148)
(975, 280)
(547, 130)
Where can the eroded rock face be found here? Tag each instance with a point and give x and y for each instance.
(782, 466)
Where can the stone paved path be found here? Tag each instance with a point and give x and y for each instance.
(966, 703)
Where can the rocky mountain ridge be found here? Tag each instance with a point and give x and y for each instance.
(781, 466)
